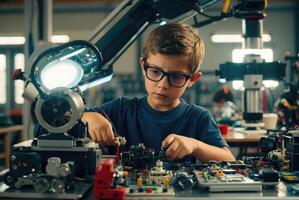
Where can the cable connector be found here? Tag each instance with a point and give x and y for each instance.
(120, 141)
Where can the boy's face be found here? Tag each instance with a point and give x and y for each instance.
(163, 95)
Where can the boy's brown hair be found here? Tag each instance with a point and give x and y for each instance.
(176, 39)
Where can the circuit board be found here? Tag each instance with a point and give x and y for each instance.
(152, 182)
(147, 190)
(217, 179)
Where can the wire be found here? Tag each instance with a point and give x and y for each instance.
(266, 3)
(117, 159)
(206, 15)
(211, 19)
(199, 11)
(117, 154)
(225, 6)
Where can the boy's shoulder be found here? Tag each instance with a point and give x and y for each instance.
(198, 112)
(197, 109)
(125, 101)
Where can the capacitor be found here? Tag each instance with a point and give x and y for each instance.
(139, 181)
(41, 185)
(166, 182)
(57, 185)
(182, 181)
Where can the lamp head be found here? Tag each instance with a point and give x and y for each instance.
(69, 65)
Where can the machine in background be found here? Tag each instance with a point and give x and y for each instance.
(253, 70)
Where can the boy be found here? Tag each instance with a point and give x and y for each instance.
(171, 58)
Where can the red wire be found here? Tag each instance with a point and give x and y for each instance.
(117, 154)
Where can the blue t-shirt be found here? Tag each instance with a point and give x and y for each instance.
(134, 119)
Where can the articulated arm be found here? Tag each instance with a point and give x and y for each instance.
(132, 17)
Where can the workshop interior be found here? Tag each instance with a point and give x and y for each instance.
(59, 58)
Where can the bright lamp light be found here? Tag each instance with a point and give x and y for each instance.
(238, 85)
(20, 40)
(76, 64)
(270, 83)
(234, 38)
(61, 73)
(239, 54)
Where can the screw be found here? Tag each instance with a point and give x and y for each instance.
(12, 157)
(15, 167)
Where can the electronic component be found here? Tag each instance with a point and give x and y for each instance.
(292, 146)
(102, 187)
(238, 164)
(182, 181)
(150, 191)
(269, 176)
(138, 157)
(290, 176)
(106, 185)
(52, 162)
(216, 180)
(293, 189)
(158, 175)
(27, 179)
(151, 183)
(274, 151)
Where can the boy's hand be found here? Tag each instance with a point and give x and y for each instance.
(99, 128)
(178, 146)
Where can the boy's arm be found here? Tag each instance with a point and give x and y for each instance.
(178, 146)
(205, 152)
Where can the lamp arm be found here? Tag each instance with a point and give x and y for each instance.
(127, 21)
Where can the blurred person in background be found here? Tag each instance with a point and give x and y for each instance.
(224, 108)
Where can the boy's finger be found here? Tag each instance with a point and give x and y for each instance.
(105, 138)
(92, 135)
(171, 149)
(108, 136)
(111, 136)
(108, 141)
(100, 138)
(175, 154)
(167, 141)
(181, 154)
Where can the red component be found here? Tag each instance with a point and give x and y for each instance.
(17, 74)
(223, 128)
(102, 188)
(117, 154)
(265, 101)
(149, 190)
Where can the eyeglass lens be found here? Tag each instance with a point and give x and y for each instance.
(175, 79)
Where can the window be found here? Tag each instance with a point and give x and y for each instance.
(234, 38)
(3, 95)
(19, 63)
(20, 40)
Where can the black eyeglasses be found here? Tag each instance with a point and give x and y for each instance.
(156, 74)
